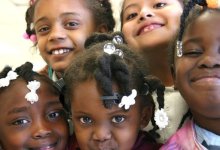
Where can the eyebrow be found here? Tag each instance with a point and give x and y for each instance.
(62, 15)
(130, 5)
(192, 40)
(53, 103)
(18, 110)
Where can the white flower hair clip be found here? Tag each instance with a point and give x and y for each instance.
(11, 75)
(179, 48)
(161, 118)
(127, 101)
(32, 96)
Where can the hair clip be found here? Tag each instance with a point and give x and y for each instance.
(31, 37)
(213, 3)
(161, 118)
(127, 101)
(179, 48)
(117, 39)
(32, 96)
(110, 49)
(32, 2)
(11, 75)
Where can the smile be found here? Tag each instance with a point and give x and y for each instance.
(149, 28)
(45, 147)
(60, 51)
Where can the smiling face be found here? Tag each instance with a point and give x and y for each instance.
(62, 27)
(41, 125)
(147, 24)
(97, 127)
(198, 70)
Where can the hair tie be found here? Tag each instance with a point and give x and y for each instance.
(213, 3)
(31, 37)
(11, 75)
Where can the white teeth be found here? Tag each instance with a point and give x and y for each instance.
(60, 51)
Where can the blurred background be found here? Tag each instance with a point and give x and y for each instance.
(14, 49)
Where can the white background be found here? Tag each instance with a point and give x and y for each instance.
(14, 49)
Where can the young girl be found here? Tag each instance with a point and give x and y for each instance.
(197, 49)
(32, 116)
(149, 26)
(110, 96)
(62, 26)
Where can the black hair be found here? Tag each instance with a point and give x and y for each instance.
(25, 72)
(192, 10)
(101, 10)
(127, 71)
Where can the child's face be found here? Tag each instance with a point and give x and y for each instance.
(97, 127)
(147, 24)
(62, 27)
(31, 126)
(198, 70)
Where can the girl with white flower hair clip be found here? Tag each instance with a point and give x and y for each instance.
(31, 111)
(110, 94)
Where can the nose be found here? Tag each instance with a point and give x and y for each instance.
(210, 60)
(102, 134)
(57, 33)
(145, 13)
(41, 130)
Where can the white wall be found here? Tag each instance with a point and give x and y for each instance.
(14, 50)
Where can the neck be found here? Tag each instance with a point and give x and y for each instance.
(210, 124)
(158, 65)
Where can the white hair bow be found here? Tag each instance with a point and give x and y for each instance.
(32, 96)
(11, 75)
(127, 101)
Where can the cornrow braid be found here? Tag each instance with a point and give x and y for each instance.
(155, 85)
(187, 8)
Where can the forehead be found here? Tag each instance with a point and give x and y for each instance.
(87, 99)
(15, 94)
(54, 8)
(127, 3)
(208, 23)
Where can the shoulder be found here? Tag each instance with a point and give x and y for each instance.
(145, 141)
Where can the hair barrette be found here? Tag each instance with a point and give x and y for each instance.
(110, 49)
(117, 39)
(127, 101)
(32, 96)
(179, 48)
(213, 3)
(11, 75)
(161, 118)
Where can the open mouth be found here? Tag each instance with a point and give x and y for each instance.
(61, 51)
(149, 28)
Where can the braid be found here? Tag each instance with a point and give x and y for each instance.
(155, 85)
(25, 71)
(187, 8)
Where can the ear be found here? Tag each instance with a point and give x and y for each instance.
(146, 115)
(172, 68)
(102, 28)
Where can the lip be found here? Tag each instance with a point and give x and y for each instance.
(147, 27)
(205, 79)
(60, 50)
(45, 147)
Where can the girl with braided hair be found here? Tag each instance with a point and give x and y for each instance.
(149, 26)
(110, 94)
(195, 59)
(32, 116)
(60, 28)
